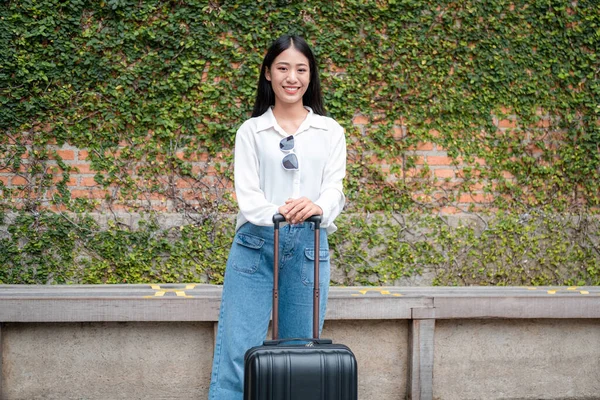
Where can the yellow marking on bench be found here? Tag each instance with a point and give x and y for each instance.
(179, 292)
(381, 291)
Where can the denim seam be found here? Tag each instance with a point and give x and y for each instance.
(218, 346)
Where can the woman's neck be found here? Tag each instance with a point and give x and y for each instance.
(289, 118)
(292, 112)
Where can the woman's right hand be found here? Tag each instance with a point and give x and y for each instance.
(296, 211)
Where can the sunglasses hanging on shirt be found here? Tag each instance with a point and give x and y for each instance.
(290, 160)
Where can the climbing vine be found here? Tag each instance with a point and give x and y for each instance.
(150, 94)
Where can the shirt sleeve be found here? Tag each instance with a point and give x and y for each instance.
(250, 197)
(331, 198)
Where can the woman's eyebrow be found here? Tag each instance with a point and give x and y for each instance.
(287, 63)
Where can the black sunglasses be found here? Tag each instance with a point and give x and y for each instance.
(290, 160)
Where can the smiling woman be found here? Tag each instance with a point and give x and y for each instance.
(289, 159)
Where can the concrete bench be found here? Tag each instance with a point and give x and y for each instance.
(155, 341)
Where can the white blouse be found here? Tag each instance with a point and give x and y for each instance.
(262, 185)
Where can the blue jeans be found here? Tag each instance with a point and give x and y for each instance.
(247, 297)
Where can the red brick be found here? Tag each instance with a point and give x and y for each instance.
(449, 210)
(71, 182)
(88, 182)
(507, 123)
(83, 169)
(66, 155)
(161, 206)
(190, 195)
(423, 146)
(360, 120)
(421, 197)
(157, 196)
(476, 187)
(475, 198)
(183, 184)
(80, 194)
(335, 69)
(83, 155)
(57, 208)
(534, 150)
(473, 172)
(4, 180)
(18, 180)
(544, 123)
(88, 194)
(439, 160)
(120, 207)
(444, 173)
(398, 133)
(413, 172)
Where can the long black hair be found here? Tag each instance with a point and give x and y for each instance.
(265, 97)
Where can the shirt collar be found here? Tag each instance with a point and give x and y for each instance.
(267, 121)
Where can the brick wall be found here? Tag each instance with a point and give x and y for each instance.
(432, 164)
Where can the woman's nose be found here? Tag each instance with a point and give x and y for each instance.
(292, 77)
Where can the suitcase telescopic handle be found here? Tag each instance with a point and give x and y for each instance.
(277, 219)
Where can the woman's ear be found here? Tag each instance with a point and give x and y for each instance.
(268, 74)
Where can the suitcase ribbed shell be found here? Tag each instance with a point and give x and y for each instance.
(299, 372)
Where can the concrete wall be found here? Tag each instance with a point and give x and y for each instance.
(106, 360)
(517, 359)
(141, 341)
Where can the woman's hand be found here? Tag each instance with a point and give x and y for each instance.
(296, 211)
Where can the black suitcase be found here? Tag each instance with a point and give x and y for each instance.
(310, 369)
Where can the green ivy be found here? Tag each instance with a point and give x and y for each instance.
(149, 88)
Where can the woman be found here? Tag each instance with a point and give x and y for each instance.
(289, 159)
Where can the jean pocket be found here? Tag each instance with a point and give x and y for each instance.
(308, 266)
(246, 252)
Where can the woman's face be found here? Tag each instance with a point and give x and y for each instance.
(289, 76)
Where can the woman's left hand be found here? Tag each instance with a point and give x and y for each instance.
(296, 211)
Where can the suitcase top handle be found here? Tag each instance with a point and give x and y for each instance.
(309, 342)
(278, 218)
